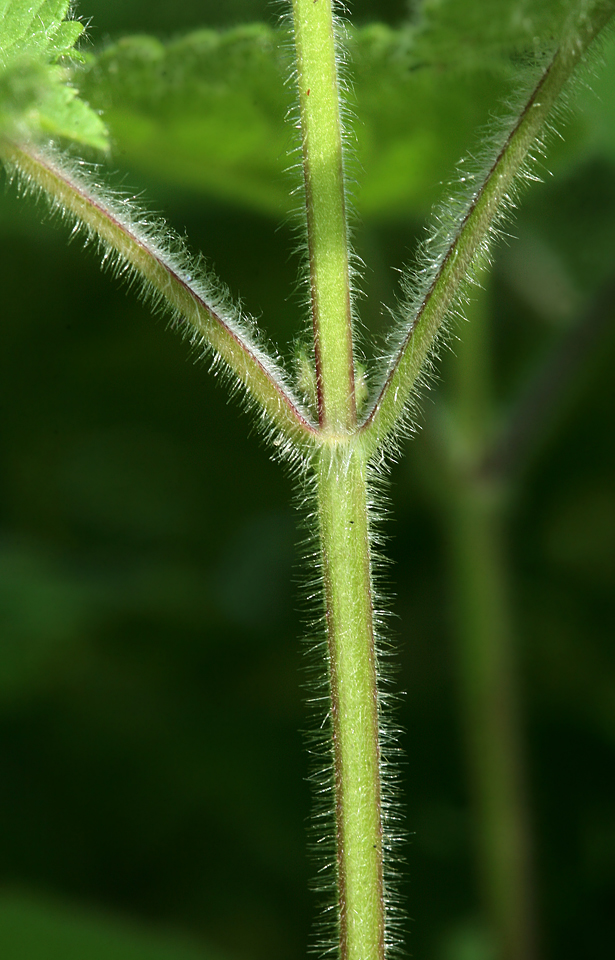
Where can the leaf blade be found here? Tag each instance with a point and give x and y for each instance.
(36, 99)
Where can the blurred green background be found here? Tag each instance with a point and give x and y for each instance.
(153, 795)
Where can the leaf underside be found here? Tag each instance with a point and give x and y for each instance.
(208, 111)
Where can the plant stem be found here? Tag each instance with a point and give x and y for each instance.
(474, 516)
(487, 680)
(344, 529)
(342, 501)
(327, 232)
(472, 236)
(338, 451)
(129, 245)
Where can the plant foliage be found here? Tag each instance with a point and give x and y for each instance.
(207, 111)
(37, 46)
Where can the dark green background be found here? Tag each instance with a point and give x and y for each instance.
(151, 694)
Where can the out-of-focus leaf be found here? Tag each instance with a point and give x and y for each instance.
(205, 111)
(470, 35)
(208, 111)
(35, 930)
(413, 122)
(35, 96)
(594, 114)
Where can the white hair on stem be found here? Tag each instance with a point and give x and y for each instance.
(147, 254)
(462, 233)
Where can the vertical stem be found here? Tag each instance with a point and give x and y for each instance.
(486, 661)
(342, 499)
(326, 212)
(354, 703)
(486, 671)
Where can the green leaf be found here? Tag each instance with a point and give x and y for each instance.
(39, 930)
(36, 43)
(453, 34)
(208, 111)
(414, 121)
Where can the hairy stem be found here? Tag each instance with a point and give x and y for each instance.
(339, 450)
(472, 236)
(342, 501)
(135, 249)
(326, 212)
(343, 517)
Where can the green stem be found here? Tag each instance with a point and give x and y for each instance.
(209, 325)
(327, 232)
(472, 236)
(344, 530)
(474, 515)
(338, 450)
(342, 501)
(489, 701)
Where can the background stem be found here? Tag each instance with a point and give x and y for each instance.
(487, 684)
(475, 518)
